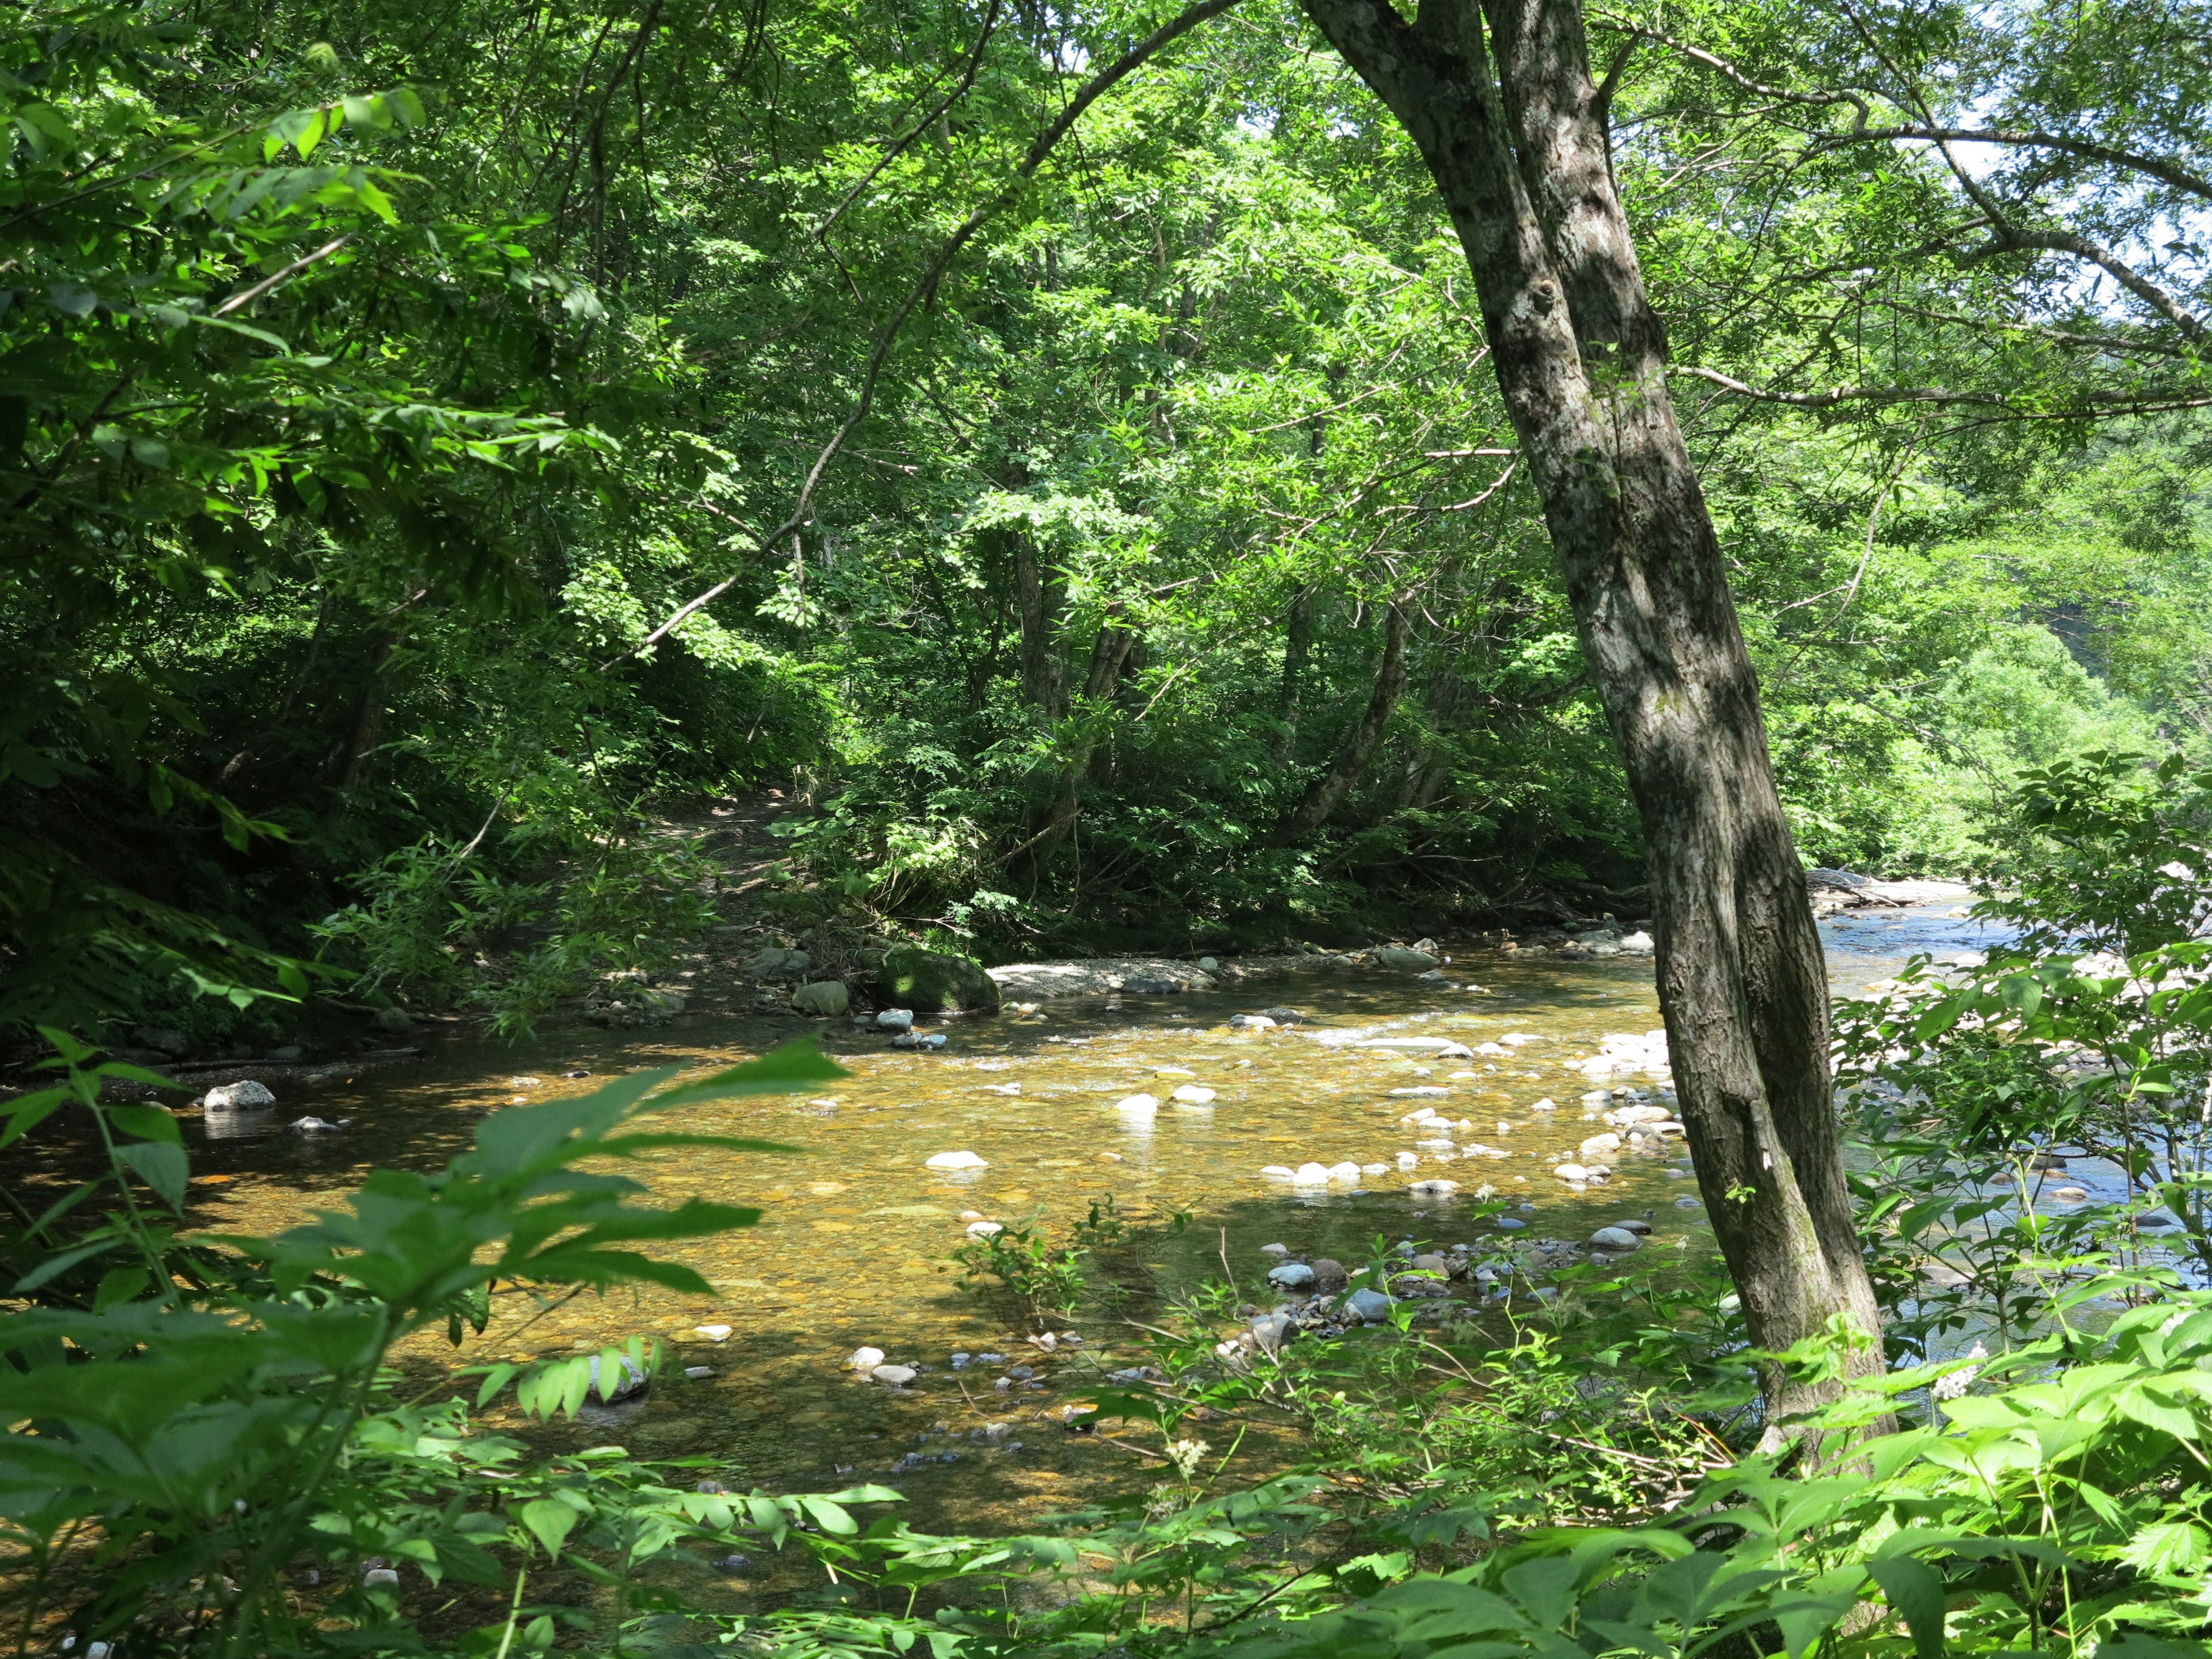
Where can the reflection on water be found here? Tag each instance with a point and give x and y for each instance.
(852, 1248)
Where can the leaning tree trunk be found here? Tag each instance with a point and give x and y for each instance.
(1323, 793)
(1501, 102)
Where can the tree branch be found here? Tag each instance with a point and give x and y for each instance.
(2165, 171)
(2101, 403)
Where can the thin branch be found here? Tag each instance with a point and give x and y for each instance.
(2005, 237)
(1829, 399)
(1721, 67)
(249, 295)
(899, 146)
(2101, 403)
(2165, 171)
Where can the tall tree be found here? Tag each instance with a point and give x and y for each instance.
(1502, 103)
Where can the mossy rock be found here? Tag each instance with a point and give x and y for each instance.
(929, 982)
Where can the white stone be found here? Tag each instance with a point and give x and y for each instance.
(955, 1161)
(896, 1376)
(1434, 1188)
(1422, 1089)
(632, 1381)
(1137, 1105)
(713, 1333)
(1347, 1170)
(247, 1097)
(1278, 1172)
(985, 1228)
(1311, 1175)
(1274, 1249)
(1408, 1160)
(1374, 1169)
(1002, 1088)
(696, 1372)
(1191, 1094)
(1570, 1172)
(865, 1359)
(1615, 1238)
(1607, 1142)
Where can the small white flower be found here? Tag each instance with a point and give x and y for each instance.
(1187, 1455)
(1954, 1384)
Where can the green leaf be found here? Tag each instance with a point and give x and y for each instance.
(148, 1122)
(161, 1166)
(62, 1263)
(550, 1522)
(829, 1517)
(1915, 1590)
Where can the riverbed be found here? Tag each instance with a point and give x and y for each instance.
(852, 1250)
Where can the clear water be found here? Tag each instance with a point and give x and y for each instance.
(853, 1245)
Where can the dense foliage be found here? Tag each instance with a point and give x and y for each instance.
(441, 441)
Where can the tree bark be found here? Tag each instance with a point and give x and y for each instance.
(1036, 609)
(1298, 645)
(1499, 99)
(1110, 654)
(1325, 792)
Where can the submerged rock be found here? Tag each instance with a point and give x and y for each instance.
(1397, 956)
(1616, 1239)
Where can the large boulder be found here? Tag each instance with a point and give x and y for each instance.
(931, 982)
(825, 999)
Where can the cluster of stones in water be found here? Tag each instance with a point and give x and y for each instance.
(871, 1363)
(1326, 1304)
(230, 1102)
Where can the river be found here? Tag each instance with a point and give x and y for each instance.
(852, 1248)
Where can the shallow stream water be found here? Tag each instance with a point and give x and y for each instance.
(853, 1244)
